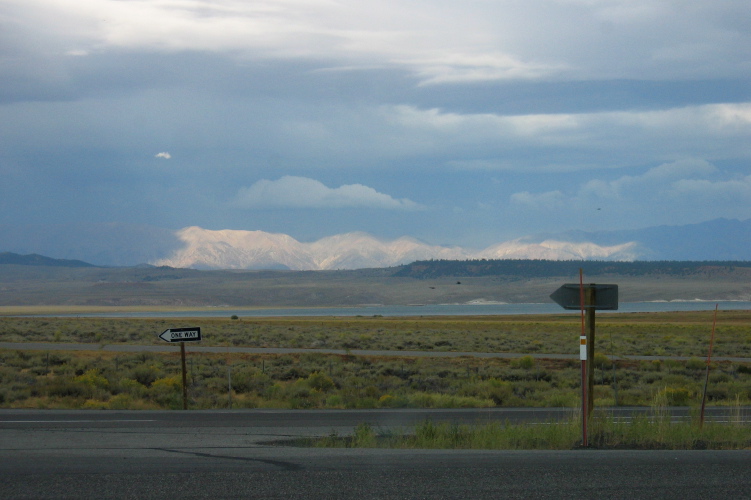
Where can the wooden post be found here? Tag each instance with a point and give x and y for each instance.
(229, 386)
(583, 357)
(589, 300)
(709, 361)
(185, 376)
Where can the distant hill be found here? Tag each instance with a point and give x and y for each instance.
(39, 260)
(195, 247)
(235, 249)
(549, 268)
(102, 244)
(454, 282)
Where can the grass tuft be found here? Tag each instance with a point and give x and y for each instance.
(642, 432)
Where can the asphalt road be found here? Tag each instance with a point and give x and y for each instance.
(215, 454)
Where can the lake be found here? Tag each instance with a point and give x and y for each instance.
(426, 310)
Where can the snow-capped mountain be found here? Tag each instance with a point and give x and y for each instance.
(233, 249)
(561, 250)
(361, 250)
(127, 245)
(230, 249)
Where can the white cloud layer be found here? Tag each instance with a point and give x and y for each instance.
(676, 192)
(438, 41)
(505, 118)
(712, 131)
(302, 192)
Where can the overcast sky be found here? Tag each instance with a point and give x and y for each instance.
(464, 123)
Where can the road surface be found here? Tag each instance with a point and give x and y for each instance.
(227, 454)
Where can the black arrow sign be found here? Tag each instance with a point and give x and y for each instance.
(567, 296)
(181, 334)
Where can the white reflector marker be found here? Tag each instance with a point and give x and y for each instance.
(583, 348)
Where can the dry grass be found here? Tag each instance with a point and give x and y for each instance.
(39, 379)
(642, 432)
(666, 334)
(91, 379)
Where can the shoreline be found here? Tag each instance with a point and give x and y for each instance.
(423, 310)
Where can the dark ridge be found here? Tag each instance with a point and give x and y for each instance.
(39, 260)
(426, 269)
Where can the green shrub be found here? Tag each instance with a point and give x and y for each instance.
(94, 404)
(364, 436)
(63, 388)
(525, 362)
(386, 401)
(334, 401)
(245, 381)
(499, 391)
(601, 361)
(130, 387)
(121, 401)
(559, 399)
(320, 382)
(91, 378)
(676, 396)
(145, 375)
(696, 364)
(167, 391)
(718, 393)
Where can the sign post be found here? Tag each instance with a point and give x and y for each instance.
(709, 361)
(583, 351)
(590, 297)
(185, 377)
(587, 298)
(182, 335)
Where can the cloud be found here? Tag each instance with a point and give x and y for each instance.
(678, 192)
(302, 192)
(567, 102)
(550, 199)
(661, 178)
(439, 42)
(718, 119)
(703, 190)
(164, 155)
(570, 141)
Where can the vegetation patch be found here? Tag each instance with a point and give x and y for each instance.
(91, 379)
(71, 379)
(663, 334)
(641, 432)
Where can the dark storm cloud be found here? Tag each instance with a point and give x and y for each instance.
(480, 112)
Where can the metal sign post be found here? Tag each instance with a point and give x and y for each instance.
(587, 298)
(182, 335)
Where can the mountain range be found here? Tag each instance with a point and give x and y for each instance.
(195, 247)
(230, 249)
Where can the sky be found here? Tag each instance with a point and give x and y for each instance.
(458, 123)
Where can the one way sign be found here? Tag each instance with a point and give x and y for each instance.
(181, 334)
